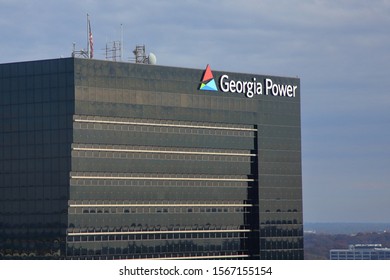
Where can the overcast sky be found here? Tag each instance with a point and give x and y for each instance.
(339, 48)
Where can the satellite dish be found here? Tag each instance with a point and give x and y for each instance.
(152, 59)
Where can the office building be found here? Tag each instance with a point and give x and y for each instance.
(361, 252)
(113, 160)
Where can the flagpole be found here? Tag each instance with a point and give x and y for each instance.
(88, 44)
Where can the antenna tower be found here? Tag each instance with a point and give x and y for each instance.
(141, 57)
(80, 53)
(114, 51)
(140, 54)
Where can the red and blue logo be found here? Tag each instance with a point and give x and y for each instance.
(208, 82)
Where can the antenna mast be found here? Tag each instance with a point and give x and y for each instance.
(140, 54)
(114, 51)
(141, 57)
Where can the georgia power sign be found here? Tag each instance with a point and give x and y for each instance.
(249, 88)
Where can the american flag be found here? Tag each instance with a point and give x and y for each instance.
(90, 40)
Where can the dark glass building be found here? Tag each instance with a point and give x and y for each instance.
(109, 160)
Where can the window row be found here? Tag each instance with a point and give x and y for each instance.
(283, 221)
(158, 236)
(160, 156)
(281, 243)
(153, 193)
(79, 124)
(285, 231)
(282, 254)
(151, 210)
(161, 98)
(157, 183)
(160, 177)
(169, 226)
(239, 246)
(160, 149)
(162, 123)
(30, 83)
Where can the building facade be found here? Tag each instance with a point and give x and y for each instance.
(361, 252)
(109, 160)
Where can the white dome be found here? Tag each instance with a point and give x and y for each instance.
(152, 59)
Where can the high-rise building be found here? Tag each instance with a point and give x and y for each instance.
(112, 160)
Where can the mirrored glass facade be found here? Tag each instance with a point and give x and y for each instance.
(108, 160)
(36, 109)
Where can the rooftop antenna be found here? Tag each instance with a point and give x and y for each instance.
(114, 51)
(141, 57)
(80, 53)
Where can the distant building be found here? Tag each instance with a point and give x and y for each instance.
(361, 252)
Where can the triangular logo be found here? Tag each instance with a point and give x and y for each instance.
(208, 82)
